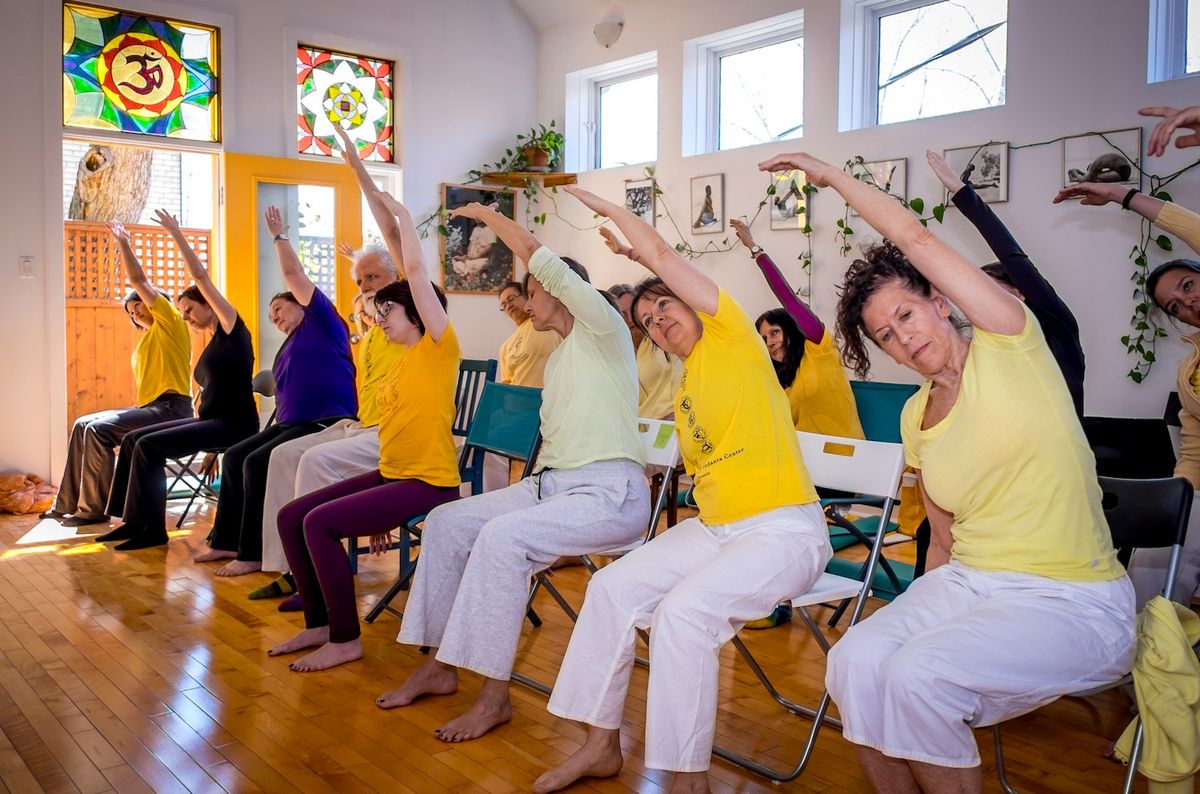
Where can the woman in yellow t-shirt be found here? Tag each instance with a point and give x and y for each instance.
(1173, 286)
(162, 360)
(760, 536)
(418, 467)
(803, 354)
(1023, 599)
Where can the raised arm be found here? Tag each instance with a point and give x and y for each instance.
(1175, 219)
(433, 314)
(294, 277)
(1016, 263)
(693, 287)
(1172, 120)
(133, 268)
(984, 303)
(226, 314)
(810, 325)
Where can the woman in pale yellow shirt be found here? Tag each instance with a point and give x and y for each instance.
(659, 372)
(1023, 600)
(760, 536)
(162, 360)
(1175, 289)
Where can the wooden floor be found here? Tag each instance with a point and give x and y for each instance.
(142, 671)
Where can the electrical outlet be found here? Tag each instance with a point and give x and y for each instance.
(25, 267)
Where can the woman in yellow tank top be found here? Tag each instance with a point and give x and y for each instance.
(1024, 600)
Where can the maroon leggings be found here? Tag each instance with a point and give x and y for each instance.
(312, 529)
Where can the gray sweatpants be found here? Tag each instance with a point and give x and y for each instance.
(478, 556)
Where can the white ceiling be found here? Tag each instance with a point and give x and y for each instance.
(546, 14)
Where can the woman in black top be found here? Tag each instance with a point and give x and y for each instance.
(226, 412)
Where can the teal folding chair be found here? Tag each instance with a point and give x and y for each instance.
(507, 422)
(472, 375)
(879, 407)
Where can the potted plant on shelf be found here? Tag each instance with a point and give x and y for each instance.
(541, 147)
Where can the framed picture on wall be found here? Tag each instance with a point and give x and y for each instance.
(473, 259)
(788, 202)
(708, 204)
(890, 176)
(639, 198)
(983, 167)
(1114, 157)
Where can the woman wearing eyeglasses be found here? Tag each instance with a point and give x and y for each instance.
(418, 467)
(523, 355)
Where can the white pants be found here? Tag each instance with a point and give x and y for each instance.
(1148, 567)
(344, 449)
(478, 556)
(693, 586)
(965, 648)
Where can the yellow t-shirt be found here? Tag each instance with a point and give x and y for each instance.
(820, 396)
(1011, 464)
(416, 407)
(523, 355)
(162, 358)
(376, 358)
(1195, 381)
(659, 374)
(735, 429)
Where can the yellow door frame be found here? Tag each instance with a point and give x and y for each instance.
(241, 215)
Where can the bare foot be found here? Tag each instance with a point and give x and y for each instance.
(309, 638)
(690, 783)
(431, 678)
(239, 567)
(212, 555)
(331, 654)
(489, 710)
(600, 756)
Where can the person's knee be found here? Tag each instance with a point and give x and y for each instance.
(686, 609)
(319, 526)
(854, 661)
(501, 537)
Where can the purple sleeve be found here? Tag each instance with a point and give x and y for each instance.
(810, 324)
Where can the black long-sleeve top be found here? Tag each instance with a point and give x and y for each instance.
(1058, 323)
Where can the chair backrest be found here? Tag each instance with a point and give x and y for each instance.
(1138, 449)
(879, 406)
(659, 442)
(507, 422)
(870, 468)
(263, 383)
(472, 374)
(1149, 514)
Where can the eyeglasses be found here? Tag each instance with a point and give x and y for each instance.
(509, 301)
(382, 309)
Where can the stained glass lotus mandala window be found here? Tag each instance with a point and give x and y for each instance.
(351, 91)
(137, 73)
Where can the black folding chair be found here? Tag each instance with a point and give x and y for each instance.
(1144, 514)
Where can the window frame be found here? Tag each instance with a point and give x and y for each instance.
(702, 76)
(582, 116)
(859, 72)
(1167, 45)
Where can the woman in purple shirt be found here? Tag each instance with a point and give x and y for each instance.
(314, 387)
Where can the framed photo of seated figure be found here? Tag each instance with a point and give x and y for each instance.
(984, 167)
(473, 259)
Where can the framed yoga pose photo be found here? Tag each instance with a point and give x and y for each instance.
(473, 259)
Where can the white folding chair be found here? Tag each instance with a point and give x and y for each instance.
(867, 468)
(661, 448)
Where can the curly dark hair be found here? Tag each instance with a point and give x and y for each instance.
(400, 293)
(881, 264)
(793, 347)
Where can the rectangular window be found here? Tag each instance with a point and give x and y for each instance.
(744, 86)
(1174, 45)
(612, 114)
(627, 121)
(939, 58)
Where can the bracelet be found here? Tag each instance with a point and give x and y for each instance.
(1129, 197)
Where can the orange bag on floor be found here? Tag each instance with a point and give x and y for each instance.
(25, 493)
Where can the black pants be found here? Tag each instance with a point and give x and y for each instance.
(238, 524)
(139, 489)
(88, 475)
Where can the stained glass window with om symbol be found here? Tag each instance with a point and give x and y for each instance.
(137, 73)
(352, 91)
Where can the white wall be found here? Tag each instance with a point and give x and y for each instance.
(468, 69)
(1073, 66)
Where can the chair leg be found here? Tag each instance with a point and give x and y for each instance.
(1000, 771)
(1134, 756)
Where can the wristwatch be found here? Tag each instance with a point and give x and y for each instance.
(279, 237)
(755, 250)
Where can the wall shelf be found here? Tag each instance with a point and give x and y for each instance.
(521, 178)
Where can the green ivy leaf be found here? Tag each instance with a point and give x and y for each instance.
(771, 190)
(939, 212)
(678, 246)
(807, 229)
(917, 205)
(849, 231)
(1125, 340)
(1140, 261)
(924, 222)
(1141, 325)
(1148, 356)
(1162, 194)
(1135, 376)
(1164, 242)
(442, 230)
(657, 190)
